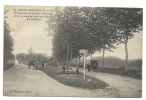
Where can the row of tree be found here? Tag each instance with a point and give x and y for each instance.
(118, 62)
(32, 56)
(92, 28)
(110, 61)
(9, 57)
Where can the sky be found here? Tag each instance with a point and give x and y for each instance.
(134, 49)
(28, 33)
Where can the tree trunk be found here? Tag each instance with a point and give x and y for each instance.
(70, 58)
(79, 60)
(67, 57)
(103, 57)
(75, 61)
(91, 57)
(66, 60)
(126, 51)
(72, 61)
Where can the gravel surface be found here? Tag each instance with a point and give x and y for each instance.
(128, 87)
(21, 81)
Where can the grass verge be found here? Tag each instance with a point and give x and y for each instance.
(132, 72)
(75, 80)
(121, 71)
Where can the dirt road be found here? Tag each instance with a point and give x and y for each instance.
(128, 87)
(21, 81)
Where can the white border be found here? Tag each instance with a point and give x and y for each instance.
(96, 3)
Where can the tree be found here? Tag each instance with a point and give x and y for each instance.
(117, 25)
(131, 22)
(94, 29)
(8, 46)
(31, 55)
(102, 32)
(65, 32)
(30, 51)
(128, 21)
(78, 28)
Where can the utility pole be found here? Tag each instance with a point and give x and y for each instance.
(84, 65)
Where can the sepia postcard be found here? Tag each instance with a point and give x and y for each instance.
(72, 51)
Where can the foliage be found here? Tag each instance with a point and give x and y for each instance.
(8, 47)
(129, 21)
(30, 51)
(135, 63)
(91, 28)
(134, 73)
(27, 57)
(118, 62)
(80, 28)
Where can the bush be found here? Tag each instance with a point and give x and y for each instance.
(9, 58)
(121, 71)
(8, 63)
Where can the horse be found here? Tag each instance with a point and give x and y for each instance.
(33, 63)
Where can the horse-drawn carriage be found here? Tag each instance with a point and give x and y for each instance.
(33, 63)
(93, 65)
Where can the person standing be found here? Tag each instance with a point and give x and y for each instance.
(77, 69)
(63, 69)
